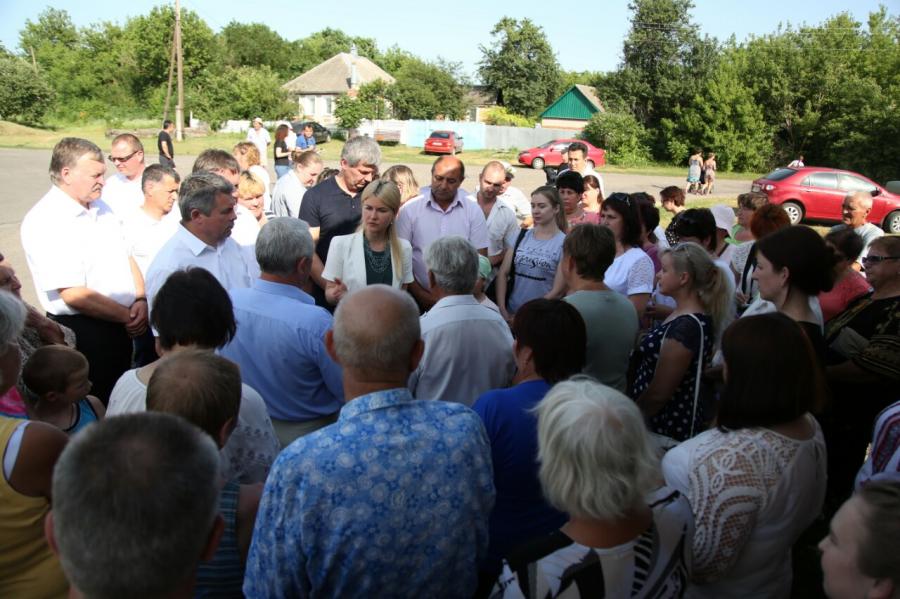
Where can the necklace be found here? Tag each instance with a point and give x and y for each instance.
(377, 261)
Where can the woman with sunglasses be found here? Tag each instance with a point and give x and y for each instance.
(632, 272)
(863, 364)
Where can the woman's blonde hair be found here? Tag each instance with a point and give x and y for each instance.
(249, 152)
(403, 176)
(305, 157)
(389, 194)
(250, 186)
(708, 280)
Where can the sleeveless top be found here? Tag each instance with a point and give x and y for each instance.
(27, 566)
(223, 576)
(84, 415)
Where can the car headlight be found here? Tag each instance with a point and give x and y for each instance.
(769, 187)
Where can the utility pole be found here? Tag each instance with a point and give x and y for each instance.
(171, 73)
(179, 107)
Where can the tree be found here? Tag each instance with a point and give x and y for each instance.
(253, 44)
(426, 91)
(24, 95)
(240, 93)
(621, 135)
(370, 103)
(521, 66)
(322, 45)
(54, 27)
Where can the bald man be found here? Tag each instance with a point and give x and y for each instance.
(500, 216)
(358, 499)
(441, 209)
(854, 214)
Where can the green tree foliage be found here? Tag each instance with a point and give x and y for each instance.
(370, 103)
(25, 95)
(521, 65)
(621, 135)
(254, 44)
(240, 93)
(427, 90)
(569, 78)
(499, 115)
(350, 112)
(322, 45)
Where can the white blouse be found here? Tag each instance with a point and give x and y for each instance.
(631, 273)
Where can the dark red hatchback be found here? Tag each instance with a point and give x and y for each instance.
(817, 193)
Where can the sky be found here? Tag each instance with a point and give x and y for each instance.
(585, 37)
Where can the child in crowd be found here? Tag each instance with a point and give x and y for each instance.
(56, 389)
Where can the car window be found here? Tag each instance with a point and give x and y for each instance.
(560, 147)
(441, 134)
(851, 183)
(780, 173)
(827, 180)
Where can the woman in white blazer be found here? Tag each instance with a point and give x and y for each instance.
(374, 254)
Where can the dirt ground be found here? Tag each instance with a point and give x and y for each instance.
(25, 181)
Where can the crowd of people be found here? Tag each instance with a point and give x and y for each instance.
(345, 384)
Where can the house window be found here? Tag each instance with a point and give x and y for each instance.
(309, 105)
(329, 105)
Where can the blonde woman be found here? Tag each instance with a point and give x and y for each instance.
(374, 254)
(290, 189)
(402, 176)
(247, 155)
(673, 354)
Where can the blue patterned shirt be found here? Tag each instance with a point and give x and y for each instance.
(391, 500)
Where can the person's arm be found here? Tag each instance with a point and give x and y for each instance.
(559, 284)
(316, 271)
(423, 296)
(248, 505)
(502, 275)
(335, 291)
(49, 331)
(90, 303)
(280, 153)
(674, 361)
(32, 474)
(164, 146)
(97, 406)
(639, 301)
(139, 309)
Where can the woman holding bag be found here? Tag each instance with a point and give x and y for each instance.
(672, 356)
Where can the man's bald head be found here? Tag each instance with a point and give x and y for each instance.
(376, 330)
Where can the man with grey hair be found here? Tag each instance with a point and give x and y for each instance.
(204, 237)
(351, 510)
(468, 347)
(122, 192)
(279, 343)
(145, 519)
(334, 206)
(855, 212)
(83, 274)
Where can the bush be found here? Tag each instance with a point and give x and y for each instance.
(24, 95)
(240, 93)
(499, 115)
(621, 135)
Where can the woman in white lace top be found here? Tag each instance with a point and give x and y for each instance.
(757, 480)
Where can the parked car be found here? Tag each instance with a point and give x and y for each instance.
(443, 142)
(320, 133)
(550, 154)
(817, 193)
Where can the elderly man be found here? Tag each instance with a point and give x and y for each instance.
(394, 498)
(442, 209)
(147, 518)
(334, 206)
(84, 277)
(203, 239)
(279, 343)
(468, 347)
(122, 192)
(501, 218)
(854, 213)
(611, 320)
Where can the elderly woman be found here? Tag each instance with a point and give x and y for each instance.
(849, 285)
(289, 190)
(193, 311)
(374, 254)
(549, 347)
(861, 553)
(756, 480)
(625, 536)
(402, 176)
(30, 450)
(863, 363)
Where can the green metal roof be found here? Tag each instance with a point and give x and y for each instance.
(571, 105)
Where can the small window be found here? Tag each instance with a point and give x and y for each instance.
(851, 183)
(329, 105)
(440, 135)
(826, 180)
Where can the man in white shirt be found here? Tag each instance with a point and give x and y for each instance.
(203, 239)
(578, 162)
(468, 347)
(122, 192)
(514, 197)
(152, 224)
(83, 274)
(855, 212)
(259, 136)
(501, 219)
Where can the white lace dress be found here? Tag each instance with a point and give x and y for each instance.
(752, 492)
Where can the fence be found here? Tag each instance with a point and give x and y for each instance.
(476, 136)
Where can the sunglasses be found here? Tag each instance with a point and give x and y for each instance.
(117, 159)
(878, 259)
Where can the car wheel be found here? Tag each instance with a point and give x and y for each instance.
(537, 163)
(590, 164)
(892, 223)
(794, 212)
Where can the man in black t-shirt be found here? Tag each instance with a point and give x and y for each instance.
(164, 144)
(334, 206)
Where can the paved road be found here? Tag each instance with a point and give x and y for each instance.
(25, 180)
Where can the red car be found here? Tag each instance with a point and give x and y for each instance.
(817, 193)
(443, 142)
(550, 154)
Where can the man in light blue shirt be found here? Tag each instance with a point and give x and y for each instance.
(390, 501)
(279, 343)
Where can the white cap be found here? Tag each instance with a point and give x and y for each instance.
(724, 216)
